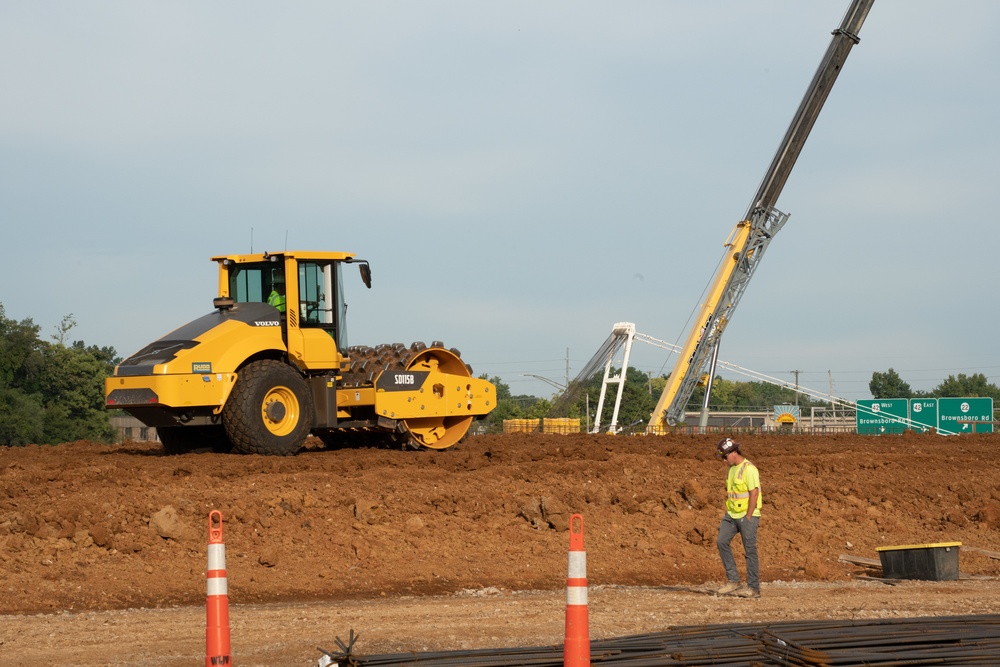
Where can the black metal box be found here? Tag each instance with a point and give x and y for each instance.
(933, 562)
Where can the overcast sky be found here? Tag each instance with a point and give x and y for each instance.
(520, 174)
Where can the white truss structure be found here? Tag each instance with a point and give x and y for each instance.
(622, 335)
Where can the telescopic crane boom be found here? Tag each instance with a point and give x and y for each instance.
(751, 236)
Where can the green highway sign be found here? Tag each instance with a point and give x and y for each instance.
(960, 415)
(923, 414)
(949, 416)
(886, 415)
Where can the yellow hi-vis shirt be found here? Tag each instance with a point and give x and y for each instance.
(277, 300)
(742, 479)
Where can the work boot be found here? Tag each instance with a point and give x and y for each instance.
(728, 588)
(747, 592)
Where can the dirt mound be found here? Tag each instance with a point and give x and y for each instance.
(87, 526)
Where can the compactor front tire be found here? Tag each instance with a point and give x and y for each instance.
(270, 410)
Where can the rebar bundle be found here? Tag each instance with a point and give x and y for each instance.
(953, 640)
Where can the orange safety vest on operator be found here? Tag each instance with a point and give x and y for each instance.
(741, 480)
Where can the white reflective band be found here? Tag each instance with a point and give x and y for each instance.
(576, 595)
(577, 564)
(218, 586)
(216, 556)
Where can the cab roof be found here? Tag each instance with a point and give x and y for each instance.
(314, 255)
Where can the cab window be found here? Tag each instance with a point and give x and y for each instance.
(255, 283)
(320, 299)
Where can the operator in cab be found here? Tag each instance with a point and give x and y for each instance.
(277, 296)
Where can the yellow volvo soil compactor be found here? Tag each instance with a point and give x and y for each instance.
(270, 365)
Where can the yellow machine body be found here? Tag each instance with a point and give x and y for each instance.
(270, 365)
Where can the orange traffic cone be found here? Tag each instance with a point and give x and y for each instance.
(217, 629)
(576, 649)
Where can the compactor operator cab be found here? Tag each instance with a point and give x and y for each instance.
(312, 299)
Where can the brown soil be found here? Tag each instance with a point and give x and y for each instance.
(103, 549)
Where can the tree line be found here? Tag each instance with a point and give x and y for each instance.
(889, 384)
(51, 392)
(642, 391)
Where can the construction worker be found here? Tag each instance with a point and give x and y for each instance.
(742, 516)
(277, 298)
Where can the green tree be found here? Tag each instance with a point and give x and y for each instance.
(72, 382)
(889, 385)
(503, 389)
(637, 400)
(63, 329)
(735, 396)
(507, 406)
(19, 349)
(51, 392)
(533, 407)
(581, 400)
(971, 386)
(732, 396)
(22, 418)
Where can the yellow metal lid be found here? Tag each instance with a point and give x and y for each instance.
(921, 546)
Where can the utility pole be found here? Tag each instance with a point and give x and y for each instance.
(567, 366)
(796, 372)
(833, 406)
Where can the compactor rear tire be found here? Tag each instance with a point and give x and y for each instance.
(270, 410)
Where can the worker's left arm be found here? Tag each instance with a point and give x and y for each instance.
(752, 505)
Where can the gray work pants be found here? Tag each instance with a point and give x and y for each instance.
(747, 528)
